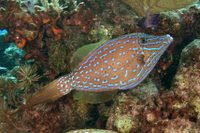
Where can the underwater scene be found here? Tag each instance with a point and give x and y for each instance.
(100, 66)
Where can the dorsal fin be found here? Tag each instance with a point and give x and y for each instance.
(83, 52)
(91, 97)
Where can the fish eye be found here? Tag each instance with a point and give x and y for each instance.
(143, 39)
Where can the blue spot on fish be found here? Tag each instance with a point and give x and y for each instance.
(131, 79)
(118, 42)
(112, 50)
(140, 72)
(122, 83)
(102, 56)
(126, 73)
(114, 69)
(105, 75)
(99, 52)
(111, 45)
(126, 41)
(113, 78)
(96, 72)
(113, 59)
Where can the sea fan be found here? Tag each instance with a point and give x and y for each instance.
(144, 7)
(27, 76)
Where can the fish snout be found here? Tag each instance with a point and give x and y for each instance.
(170, 39)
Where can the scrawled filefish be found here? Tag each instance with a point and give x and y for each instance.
(118, 64)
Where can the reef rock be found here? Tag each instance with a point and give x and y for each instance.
(186, 82)
(91, 131)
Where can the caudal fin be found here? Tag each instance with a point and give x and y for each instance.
(46, 94)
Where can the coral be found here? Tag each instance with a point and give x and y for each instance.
(33, 26)
(80, 17)
(126, 109)
(29, 5)
(51, 31)
(123, 124)
(8, 91)
(141, 8)
(143, 93)
(20, 42)
(9, 124)
(9, 99)
(26, 76)
(6, 85)
(55, 5)
(40, 118)
(176, 126)
(98, 33)
(186, 81)
(80, 113)
(117, 13)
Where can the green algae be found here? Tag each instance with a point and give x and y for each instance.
(58, 57)
(80, 112)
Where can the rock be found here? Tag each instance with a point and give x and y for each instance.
(186, 83)
(91, 131)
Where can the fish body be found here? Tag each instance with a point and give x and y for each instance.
(118, 64)
(121, 64)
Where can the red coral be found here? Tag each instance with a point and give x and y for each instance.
(81, 17)
(36, 31)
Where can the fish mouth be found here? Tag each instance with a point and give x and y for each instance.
(170, 38)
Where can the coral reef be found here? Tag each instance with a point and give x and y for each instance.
(51, 31)
(186, 81)
(34, 32)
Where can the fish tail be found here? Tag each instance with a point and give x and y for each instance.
(48, 93)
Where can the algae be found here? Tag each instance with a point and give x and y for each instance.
(58, 57)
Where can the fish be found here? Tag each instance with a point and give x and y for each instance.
(118, 64)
